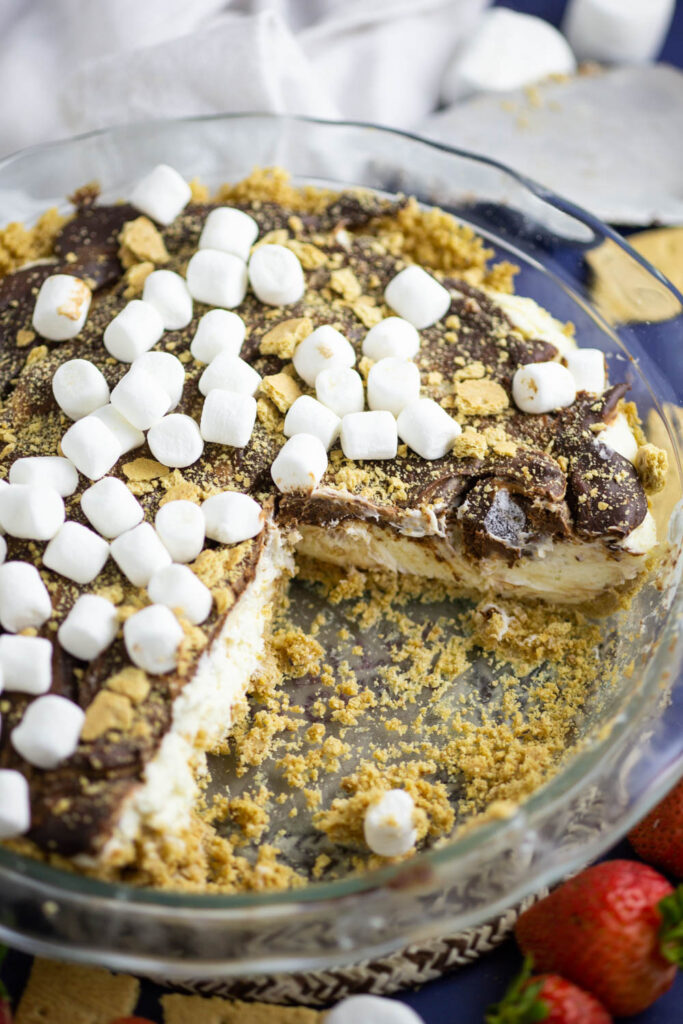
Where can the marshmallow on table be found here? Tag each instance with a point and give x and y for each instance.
(161, 194)
(276, 275)
(169, 294)
(371, 1010)
(427, 428)
(617, 31)
(229, 230)
(26, 664)
(167, 370)
(232, 517)
(127, 436)
(89, 628)
(388, 824)
(392, 384)
(133, 331)
(61, 307)
(91, 446)
(341, 389)
(617, 435)
(228, 417)
(417, 297)
(15, 804)
(323, 348)
(229, 373)
(587, 367)
(178, 588)
(300, 464)
(543, 387)
(31, 511)
(48, 470)
(180, 525)
(309, 416)
(111, 507)
(369, 435)
(139, 553)
(24, 599)
(218, 331)
(175, 441)
(141, 398)
(152, 638)
(79, 388)
(77, 553)
(49, 731)
(391, 337)
(217, 278)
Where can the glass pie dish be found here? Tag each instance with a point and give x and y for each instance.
(630, 743)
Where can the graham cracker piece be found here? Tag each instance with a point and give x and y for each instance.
(73, 994)
(199, 1010)
(283, 339)
(107, 711)
(281, 389)
(141, 242)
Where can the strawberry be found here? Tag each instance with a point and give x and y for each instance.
(659, 837)
(615, 930)
(546, 997)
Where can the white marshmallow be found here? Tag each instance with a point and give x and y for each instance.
(180, 525)
(15, 804)
(26, 664)
(232, 517)
(77, 553)
(228, 418)
(417, 297)
(133, 331)
(218, 331)
(427, 428)
(307, 415)
(46, 470)
(276, 276)
(617, 435)
(392, 384)
(24, 599)
(161, 194)
(587, 367)
(170, 296)
(391, 337)
(140, 398)
(542, 387)
(300, 464)
(229, 230)
(89, 628)
(167, 370)
(178, 588)
(61, 307)
(139, 553)
(127, 436)
(91, 446)
(388, 825)
(49, 731)
(31, 511)
(643, 538)
(152, 637)
(229, 373)
(111, 507)
(369, 435)
(616, 30)
(341, 389)
(79, 388)
(175, 441)
(322, 349)
(371, 1010)
(217, 278)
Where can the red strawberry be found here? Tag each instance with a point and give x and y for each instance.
(659, 837)
(615, 930)
(546, 997)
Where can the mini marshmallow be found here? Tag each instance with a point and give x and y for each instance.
(217, 278)
(167, 370)
(77, 553)
(31, 511)
(341, 389)
(427, 428)
(300, 464)
(371, 1010)
(229, 230)
(229, 373)
(388, 825)
(617, 435)
(127, 436)
(392, 384)
(24, 599)
(111, 507)
(49, 731)
(218, 331)
(309, 416)
(140, 398)
(79, 388)
(133, 331)
(369, 435)
(161, 194)
(139, 553)
(391, 337)
(170, 296)
(26, 664)
(228, 417)
(46, 470)
(89, 628)
(175, 441)
(613, 31)
(15, 804)
(276, 276)
(587, 367)
(323, 348)
(178, 588)
(543, 387)
(643, 538)
(232, 517)
(61, 307)
(91, 446)
(417, 297)
(180, 525)
(152, 638)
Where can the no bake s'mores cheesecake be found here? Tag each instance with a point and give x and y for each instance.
(194, 391)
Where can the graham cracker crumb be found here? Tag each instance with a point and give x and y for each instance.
(135, 278)
(480, 397)
(652, 464)
(143, 469)
(24, 337)
(140, 242)
(131, 682)
(107, 711)
(281, 389)
(283, 339)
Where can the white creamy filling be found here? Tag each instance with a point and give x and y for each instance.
(532, 320)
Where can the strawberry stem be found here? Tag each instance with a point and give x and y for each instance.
(671, 930)
(522, 1002)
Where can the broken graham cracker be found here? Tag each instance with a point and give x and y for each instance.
(141, 242)
(281, 389)
(283, 339)
(480, 397)
(201, 1010)
(59, 993)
